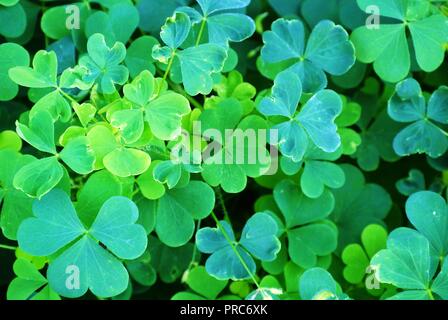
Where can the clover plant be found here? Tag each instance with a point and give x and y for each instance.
(223, 149)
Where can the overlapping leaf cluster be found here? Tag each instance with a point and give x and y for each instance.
(107, 188)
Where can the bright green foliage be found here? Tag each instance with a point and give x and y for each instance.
(30, 284)
(318, 284)
(223, 149)
(234, 260)
(202, 284)
(55, 225)
(387, 43)
(411, 259)
(326, 50)
(314, 122)
(357, 257)
(301, 229)
(425, 134)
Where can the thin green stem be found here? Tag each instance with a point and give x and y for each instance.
(167, 71)
(222, 203)
(201, 31)
(4, 246)
(232, 245)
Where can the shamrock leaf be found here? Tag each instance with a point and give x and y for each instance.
(318, 284)
(350, 115)
(357, 257)
(318, 172)
(221, 22)
(40, 176)
(305, 218)
(194, 66)
(327, 50)
(170, 263)
(258, 239)
(111, 24)
(409, 263)
(12, 11)
(415, 182)
(12, 55)
(57, 228)
(358, 204)
(115, 156)
(10, 140)
(42, 75)
(424, 134)
(428, 213)
(138, 58)
(16, 205)
(387, 45)
(30, 284)
(104, 64)
(202, 284)
(177, 210)
(315, 121)
(163, 112)
(233, 155)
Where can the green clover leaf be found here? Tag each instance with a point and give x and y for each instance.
(104, 64)
(258, 239)
(30, 284)
(221, 22)
(203, 285)
(425, 134)
(193, 66)
(178, 208)
(230, 158)
(357, 257)
(315, 120)
(163, 112)
(57, 225)
(328, 49)
(16, 206)
(386, 44)
(301, 229)
(318, 284)
(358, 204)
(13, 55)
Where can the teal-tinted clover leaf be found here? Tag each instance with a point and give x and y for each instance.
(358, 204)
(177, 210)
(29, 284)
(41, 175)
(413, 183)
(221, 21)
(56, 228)
(328, 49)
(409, 263)
(237, 147)
(425, 133)
(386, 45)
(103, 64)
(318, 284)
(16, 205)
(318, 172)
(258, 239)
(310, 235)
(315, 121)
(193, 66)
(162, 112)
(428, 213)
